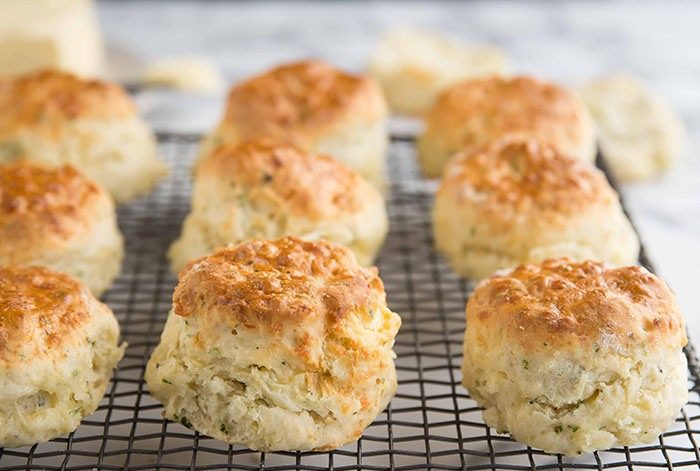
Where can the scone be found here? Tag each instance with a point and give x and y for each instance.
(59, 219)
(58, 347)
(474, 113)
(314, 106)
(640, 136)
(518, 201)
(277, 345)
(576, 357)
(264, 190)
(413, 67)
(55, 118)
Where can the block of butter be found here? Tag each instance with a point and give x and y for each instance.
(61, 34)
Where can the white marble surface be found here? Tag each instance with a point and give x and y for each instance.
(569, 42)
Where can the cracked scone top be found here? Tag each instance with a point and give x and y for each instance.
(288, 342)
(299, 100)
(39, 206)
(311, 184)
(56, 118)
(518, 201)
(575, 357)
(56, 217)
(45, 99)
(312, 105)
(58, 346)
(265, 190)
(473, 113)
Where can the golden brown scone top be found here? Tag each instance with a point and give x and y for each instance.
(275, 285)
(42, 204)
(52, 98)
(499, 106)
(574, 305)
(40, 312)
(296, 101)
(307, 184)
(519, 175)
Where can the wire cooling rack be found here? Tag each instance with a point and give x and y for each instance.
(430, 425)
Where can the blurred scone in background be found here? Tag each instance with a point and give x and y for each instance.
(415, 66)
(474, 113)
(56, 118)
(639, 134)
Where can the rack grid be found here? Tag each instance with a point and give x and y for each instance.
(431, 424)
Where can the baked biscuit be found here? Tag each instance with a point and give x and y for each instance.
(59, 219)
(413, 67)
(314, 106)
(58, 347)
(55, 118)
(277, 345)
(576, 357)
(260, 189)
(474, 113)
(518, 201)
(640, 136)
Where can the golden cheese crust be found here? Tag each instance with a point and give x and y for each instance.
(506, 105)
(39, 310)
(516, 175)
(297, 101)
(41, 206)
(272, 285)
(573, 305)
(315, 186)
(53, 97)
(473, 113)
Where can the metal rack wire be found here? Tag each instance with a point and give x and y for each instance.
(431, 424)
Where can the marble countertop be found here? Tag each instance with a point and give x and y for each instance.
(567, 42)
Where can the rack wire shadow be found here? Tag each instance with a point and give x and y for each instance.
(431, 424)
